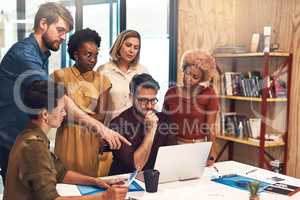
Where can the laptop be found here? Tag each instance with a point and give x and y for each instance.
(182, 162)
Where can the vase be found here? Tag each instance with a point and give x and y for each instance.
(254, 197)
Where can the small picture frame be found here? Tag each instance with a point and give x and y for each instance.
(254, 42)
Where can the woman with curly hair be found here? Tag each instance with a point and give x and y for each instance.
(193, 107)
(75, 145)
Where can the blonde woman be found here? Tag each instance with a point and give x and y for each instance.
(123, 65)
(193, 106)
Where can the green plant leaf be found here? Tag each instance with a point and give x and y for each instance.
(253, 188)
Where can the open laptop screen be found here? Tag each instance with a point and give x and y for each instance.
(182, 162)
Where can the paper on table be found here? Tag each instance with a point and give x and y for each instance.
(206, 191)
(67, 190)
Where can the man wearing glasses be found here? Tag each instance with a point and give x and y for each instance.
(143, 126)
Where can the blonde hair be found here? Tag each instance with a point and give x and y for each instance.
(114, 51)
(201, 59)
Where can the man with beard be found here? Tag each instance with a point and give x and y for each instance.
(143, 126)
(26, 61)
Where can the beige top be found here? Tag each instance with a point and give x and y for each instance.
(118, 99)
(84, 90)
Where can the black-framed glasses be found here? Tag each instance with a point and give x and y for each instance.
(146, 101)
(91, 56)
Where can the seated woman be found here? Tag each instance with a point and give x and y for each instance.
(77, 148)
(193, 107)
(33, 171)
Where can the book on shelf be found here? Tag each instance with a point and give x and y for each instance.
(228, 124)
(236, 125)
(255, 124)
(230, 83)
(251, 84)
(279, 88)
(256, 81)
(238, 84)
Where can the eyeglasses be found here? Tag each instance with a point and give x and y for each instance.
(146, 101)
(91, 56)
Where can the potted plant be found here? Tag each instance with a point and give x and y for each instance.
(253, 189)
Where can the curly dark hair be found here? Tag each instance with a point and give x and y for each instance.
(80, 37)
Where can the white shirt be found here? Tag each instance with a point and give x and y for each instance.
(118, 99)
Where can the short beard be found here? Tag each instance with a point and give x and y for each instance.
(140, 112)
(48, 43)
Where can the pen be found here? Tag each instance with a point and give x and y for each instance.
(215, 168)
(131, 198)
(253, 170)
(228, 176)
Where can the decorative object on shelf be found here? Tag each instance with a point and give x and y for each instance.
(275, 47)
(254, 42)
(267, 39)
(276, 166)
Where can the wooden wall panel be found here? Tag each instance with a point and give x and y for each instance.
(253, 15)
(204, 25)
(208, 24)
(294, 119)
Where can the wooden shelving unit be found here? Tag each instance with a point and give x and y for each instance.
(262, 144)
(241, 98)
(259, 54)
(254, 143)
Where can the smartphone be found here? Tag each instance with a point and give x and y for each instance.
(131, 178)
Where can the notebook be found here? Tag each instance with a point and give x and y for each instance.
(240, 182)
(284, 189)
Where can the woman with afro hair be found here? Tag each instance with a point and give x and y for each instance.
(76, 145)
(193, 106)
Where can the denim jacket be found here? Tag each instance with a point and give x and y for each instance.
(23, 63)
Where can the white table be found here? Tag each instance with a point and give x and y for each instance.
(206, 189)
